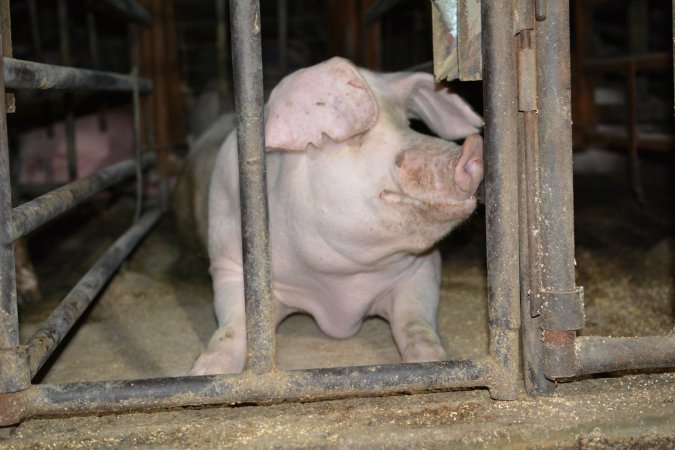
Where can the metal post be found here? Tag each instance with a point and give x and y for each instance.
(248, 88)
(138, 151)
(13, 374)
(501, 188)
(96, 63)
(64, 39)
(560, 300)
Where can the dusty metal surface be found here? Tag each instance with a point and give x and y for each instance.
(12, 376)
(271, 387)
(456, 30)
(501, 188)
(21, 74)
(597, 354)
(248, 88)
(35, 213)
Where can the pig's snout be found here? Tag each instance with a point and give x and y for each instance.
(469, 167)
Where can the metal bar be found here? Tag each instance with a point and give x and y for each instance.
(138, 151)
(555, 196)
(35, 213)
(64, 316)
(595, 354)
(315, 384)
(96, 64)
(501, 188)
(127, 9)
(21, 74)
(64, 41)
(248, 88)
(12, 374)
(35, 29)
(533, 348)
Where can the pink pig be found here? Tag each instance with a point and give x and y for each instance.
(357, 201)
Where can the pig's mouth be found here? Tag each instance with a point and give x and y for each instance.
(441, 205)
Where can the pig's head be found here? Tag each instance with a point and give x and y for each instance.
(381, 179)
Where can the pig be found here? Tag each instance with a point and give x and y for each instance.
(357, 202)
(43, 158)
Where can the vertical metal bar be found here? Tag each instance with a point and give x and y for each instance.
(248, 87)
(64, 39)
(14, 374)
(35, 30)
(221, 47)
(556, 237)
(9, 326)
(96, 63)
(533, 348)
(282, 36)
(138, 151)
(501, 187)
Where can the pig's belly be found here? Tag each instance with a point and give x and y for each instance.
(339, 315)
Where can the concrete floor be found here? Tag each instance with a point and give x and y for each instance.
(155, 317)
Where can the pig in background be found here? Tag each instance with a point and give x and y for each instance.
(357, 201)
(43, 163)
(43, 155)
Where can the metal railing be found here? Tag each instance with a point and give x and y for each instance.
(20, 363)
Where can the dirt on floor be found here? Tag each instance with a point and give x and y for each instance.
(156, 316)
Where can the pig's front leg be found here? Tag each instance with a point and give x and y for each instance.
(412, 312)
(226, 351)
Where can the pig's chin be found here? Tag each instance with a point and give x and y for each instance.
(433, 207)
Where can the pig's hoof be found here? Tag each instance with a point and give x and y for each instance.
(423, 344)
(210, 363)
(424, 353)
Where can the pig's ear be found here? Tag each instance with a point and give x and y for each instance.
(444, 113)
(330, 98)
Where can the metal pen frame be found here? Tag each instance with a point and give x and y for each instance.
(528, 182)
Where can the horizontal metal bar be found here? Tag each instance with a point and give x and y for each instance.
(20, 74)
(64, 316)
(311, 384)
(596, 354)
(35, 213)
(127, 9)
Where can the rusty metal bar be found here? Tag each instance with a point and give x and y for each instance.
(64, 42)
(562, 313)
(533, 349)
(21, 74)
(54, 329)
(12, 362)
(96, 64)
(35, 213)
(138, 151)
(248, 88)
(315, 384)
(501, 188)
(597, 354)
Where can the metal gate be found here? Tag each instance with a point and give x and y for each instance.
(531, 287)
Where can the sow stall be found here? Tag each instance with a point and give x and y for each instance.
(532, 295)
